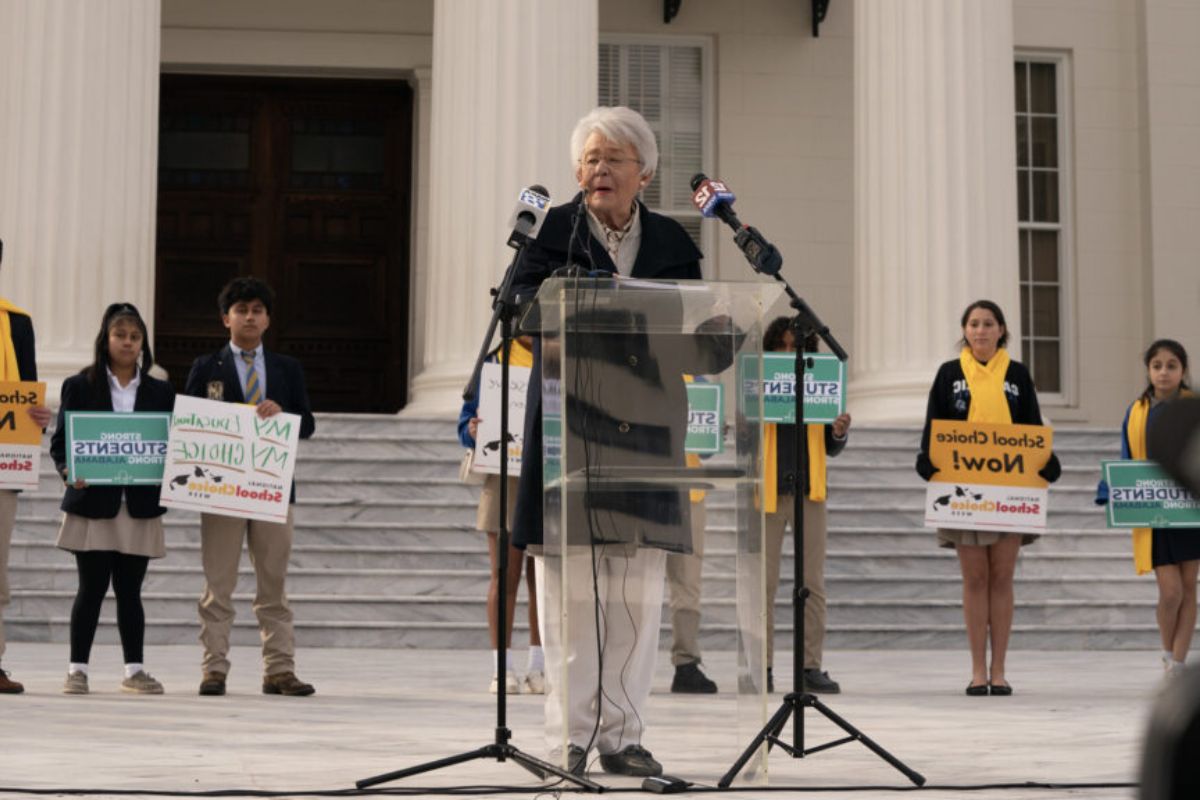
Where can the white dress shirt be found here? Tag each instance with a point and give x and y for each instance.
(123, 397)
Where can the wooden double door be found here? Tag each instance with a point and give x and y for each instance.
(305, 184)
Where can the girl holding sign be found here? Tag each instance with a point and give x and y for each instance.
(113, 531)
(985, 385)
(1173, 553)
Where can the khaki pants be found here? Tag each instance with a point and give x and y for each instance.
(8, 515)
(683, 582)
(814, 575)
(270, 545)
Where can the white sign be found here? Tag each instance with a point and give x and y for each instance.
(20, 465)
(965, 506)
(222, 458)
(487, 435)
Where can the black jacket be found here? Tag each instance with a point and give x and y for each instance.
(785, 458)
(665, 252)
(949, 398)
(285, 385)
(22, 336)
(103, 502)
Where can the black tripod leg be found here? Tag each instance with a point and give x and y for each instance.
(542, 769)
(772, 728)
(428, 766)
(916, 777)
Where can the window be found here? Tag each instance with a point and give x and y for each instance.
(668, 82)
(1041, 214)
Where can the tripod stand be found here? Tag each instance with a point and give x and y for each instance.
(503, 311)
(803, 325)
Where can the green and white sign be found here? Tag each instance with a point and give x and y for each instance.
(106, 448)
(824, 387)
(705, 418)
(1142, 495)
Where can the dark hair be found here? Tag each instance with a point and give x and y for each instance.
(1174, 348)
(773, 336)
(986, 305)
(243, 290)
(116, 312)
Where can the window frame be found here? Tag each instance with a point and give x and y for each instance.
(1067, 328)
(708, 232)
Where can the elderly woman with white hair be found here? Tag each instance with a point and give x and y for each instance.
(608, 231)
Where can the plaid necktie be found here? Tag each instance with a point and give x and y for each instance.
(253, 387)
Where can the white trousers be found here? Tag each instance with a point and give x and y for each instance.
(614, 682)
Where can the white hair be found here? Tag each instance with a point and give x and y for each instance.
(620, 125)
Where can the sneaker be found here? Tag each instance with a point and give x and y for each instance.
(141, 682)
(634, 760)
(534, 682)
(511, 684)
(576, 761)
(76, 683)
(8, 685)
(690, 680)
(212, 684)
(819, 682)
(286, 683)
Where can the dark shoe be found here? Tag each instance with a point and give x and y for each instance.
(770, 681)
(977, 691)
(213, 684)
(286, 683)
(576, 760)
(819, 682)
(8, 685)
(634, 760)
(999, 689)
(690, 680)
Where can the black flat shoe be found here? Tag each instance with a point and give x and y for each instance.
(999, 689)
(977, 691)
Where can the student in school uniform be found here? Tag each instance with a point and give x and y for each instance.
(243, 372)
(113, 531)
(17, 363)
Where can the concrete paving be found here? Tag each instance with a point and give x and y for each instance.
(1075, 717)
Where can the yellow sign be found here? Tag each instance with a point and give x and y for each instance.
(16, 398)
(989, 454)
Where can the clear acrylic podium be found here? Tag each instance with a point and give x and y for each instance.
(618, 356)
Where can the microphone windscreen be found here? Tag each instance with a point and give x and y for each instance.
(698, 179)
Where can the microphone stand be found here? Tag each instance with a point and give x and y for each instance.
(504, 311)
(804, 324)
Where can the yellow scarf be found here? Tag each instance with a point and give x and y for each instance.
(518, 355)
(986, 385)
(1135, 431)
(816, 465)
(9, 371)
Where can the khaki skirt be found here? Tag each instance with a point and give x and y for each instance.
(952, 537)
(122, 533)
(488, 518)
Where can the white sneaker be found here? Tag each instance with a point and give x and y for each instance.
(76, 683)
(511, 684)
(535, 682)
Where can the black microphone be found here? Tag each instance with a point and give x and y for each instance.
(528, 216)
(571, 269)
(715, 199)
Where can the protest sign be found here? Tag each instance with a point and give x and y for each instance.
(824, 387)
(487, 434)
(20, 436)
(222, 458)
(1142, 495)
(705, 418)
(105, 448)
(987, 476)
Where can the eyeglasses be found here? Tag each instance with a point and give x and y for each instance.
(615, 163)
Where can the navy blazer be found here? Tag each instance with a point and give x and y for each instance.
(103, 502)
(665, 252)
(285, 385)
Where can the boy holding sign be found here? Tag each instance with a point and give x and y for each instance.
(17, 363)
(243, 372)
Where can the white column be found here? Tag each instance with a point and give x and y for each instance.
(935, 191)
(510, 79)
(78, 159)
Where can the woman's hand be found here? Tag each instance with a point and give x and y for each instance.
(80, 483)
(473, 427)
(841, 426)
(41, 415)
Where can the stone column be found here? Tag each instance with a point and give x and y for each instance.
(935, 191)
(510, 79)
(78, 156)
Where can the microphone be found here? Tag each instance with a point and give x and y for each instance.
(715, 199)
(528, 216)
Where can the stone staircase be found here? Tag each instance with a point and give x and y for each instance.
(385, 555)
